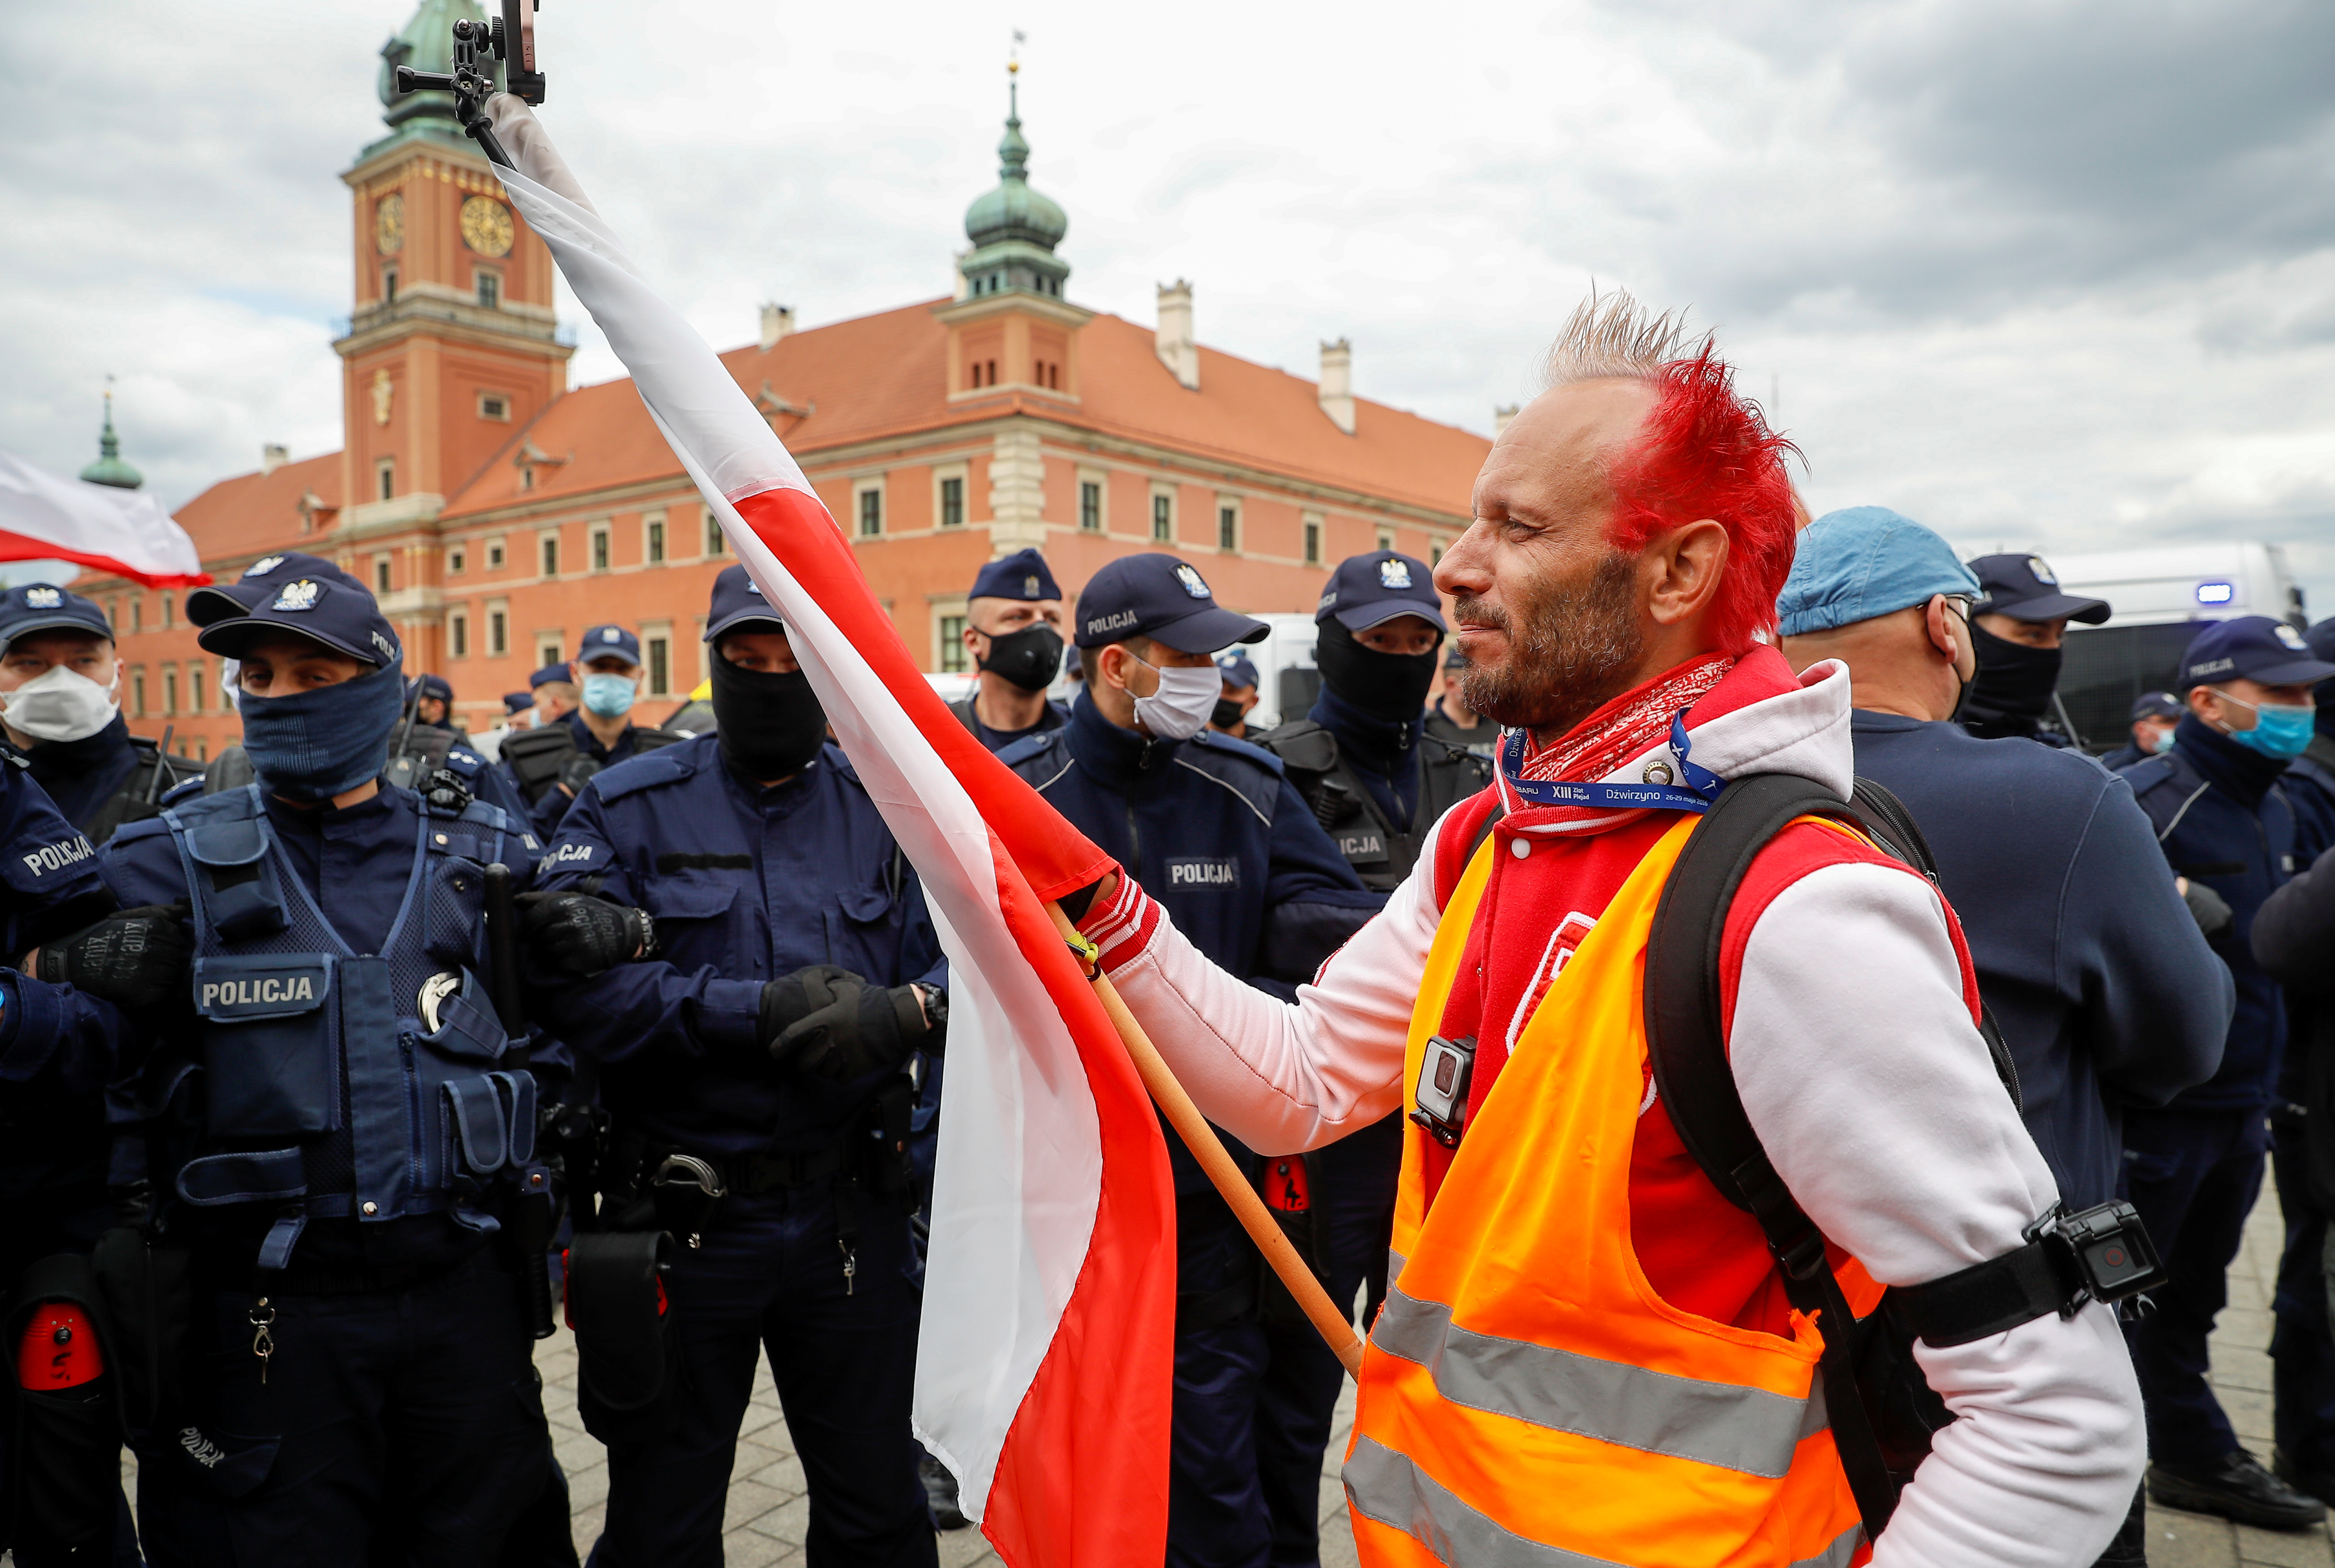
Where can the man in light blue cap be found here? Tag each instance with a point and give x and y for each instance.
(2099, 976)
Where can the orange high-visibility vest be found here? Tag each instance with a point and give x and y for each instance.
(1525, 1398)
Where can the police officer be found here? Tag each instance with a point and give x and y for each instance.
(551, 763)
(2149, 728)
(64, 1033)
(1361, 759)
(1248, 874)
(518, 713)
(1451, 720)
(2302, 1121)
(1013, 630)
(2194, 1168)
(730, 929)
(342, 1124)
(2019, 624)
(61, 702)
(1239, 695)
(433, 704)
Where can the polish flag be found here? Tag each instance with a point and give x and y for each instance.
(44, 516)
(1044, 1365)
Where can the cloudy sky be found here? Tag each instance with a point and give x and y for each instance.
(2057, 277)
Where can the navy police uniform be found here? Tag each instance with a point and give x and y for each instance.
(1212, 829)
(336, 1130)
(2013, 694)
(807, 1257)
(2194, 1168)
(539, 762)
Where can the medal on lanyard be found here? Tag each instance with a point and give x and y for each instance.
(1663, 793)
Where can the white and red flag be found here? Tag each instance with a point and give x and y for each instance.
(1044, 1367)
(45, 516)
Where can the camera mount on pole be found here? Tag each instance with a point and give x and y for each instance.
(510, 38)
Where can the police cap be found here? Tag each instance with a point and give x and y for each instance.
(2156, 705)
(739, 606)
(1236, 669)
(295, 593)
(1370, 590)
(600, 642)
(546, 677)
(1023, 574)
(2024, 589)
(517, 702)
(2252, 648)
(1158, 596)
(46, 607)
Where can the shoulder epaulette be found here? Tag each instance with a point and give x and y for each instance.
(644, 771)
(1212, 741)
(1030, 748)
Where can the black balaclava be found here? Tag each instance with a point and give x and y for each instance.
(1030, 657)
(2013, 687)
(770, 726)
(1390, 686)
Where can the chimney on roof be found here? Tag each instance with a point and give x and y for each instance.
(272, 458)
(1501, 414)
(1337, 389)
(1174, 343)
(778, 320)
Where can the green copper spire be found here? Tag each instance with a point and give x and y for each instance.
(426, 43)
(109, 469)
(1014, 230)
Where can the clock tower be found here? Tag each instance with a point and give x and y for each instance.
(451, 345)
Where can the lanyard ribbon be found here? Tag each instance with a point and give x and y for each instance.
(1702, 786)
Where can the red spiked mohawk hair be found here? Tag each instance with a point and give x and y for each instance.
(1705, 451)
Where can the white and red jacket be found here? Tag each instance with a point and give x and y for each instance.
(1850, 1006)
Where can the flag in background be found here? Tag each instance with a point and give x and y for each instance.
(44, 516)
(1044, 1366)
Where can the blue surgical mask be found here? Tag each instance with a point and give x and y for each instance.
(313, 745)
(2160, 741)
(2279, 731)
(609, 696)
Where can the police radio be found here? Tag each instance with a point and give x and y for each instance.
(510, 38)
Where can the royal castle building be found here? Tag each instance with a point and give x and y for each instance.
(498, 512)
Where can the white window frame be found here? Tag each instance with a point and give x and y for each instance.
(860, 491)
(1232, 504)
(1160, 492)
(963, 474)
(653, 528)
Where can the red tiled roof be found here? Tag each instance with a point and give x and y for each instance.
(885, 375)
(256, 511)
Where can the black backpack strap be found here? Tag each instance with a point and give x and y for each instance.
(1688, 1050)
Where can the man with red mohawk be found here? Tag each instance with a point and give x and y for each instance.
(1588, 1354)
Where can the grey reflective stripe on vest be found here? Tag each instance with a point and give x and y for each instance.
(1394, 1268)
(1385, 1487)
(1725, 1424)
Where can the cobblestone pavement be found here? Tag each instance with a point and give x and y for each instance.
(769, 1511)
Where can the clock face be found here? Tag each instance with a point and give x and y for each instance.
(486, 226)
(389, 224)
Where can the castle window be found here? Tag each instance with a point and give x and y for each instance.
(170, 691)
(1313, 541)
(381, 574)
(953, 660)
(953, 503)
(1163, 519)
(167, 621)
(494, 555)
(137, 622)
(138, 693)
(457, 559)
(869, 502)
(716, 543)
(550, 548)
(458, 635)
(384, 479)
(1090, 505)
(652, 539)
(660, 653)
(490, 289)
(195, 693)
(497, 632)
(389, 286)
(600, 547)
(1227, 526)
(493, 406)
(1386, 539)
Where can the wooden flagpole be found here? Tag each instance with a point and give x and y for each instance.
(1333, 1325)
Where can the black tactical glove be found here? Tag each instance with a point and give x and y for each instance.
(578, 772)
(836, 1026)
(138, 958)
(578, 935)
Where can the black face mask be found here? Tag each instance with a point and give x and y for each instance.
(2014, 682)
(1029, 658)
(1227, 714)
(1390, 686)
(771, 726)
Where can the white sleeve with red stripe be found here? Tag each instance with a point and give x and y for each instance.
(1875, 1096)
(1277, 1076)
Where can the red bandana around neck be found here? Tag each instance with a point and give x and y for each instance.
(1632, 722)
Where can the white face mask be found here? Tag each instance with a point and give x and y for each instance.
(1180, 707)
(60, 704)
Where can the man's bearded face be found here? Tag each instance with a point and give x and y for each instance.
(1570, 643)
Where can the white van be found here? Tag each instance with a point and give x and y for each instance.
(2158, 599)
